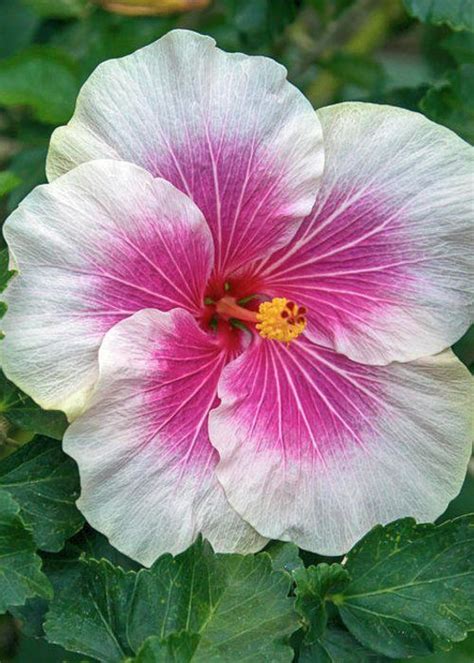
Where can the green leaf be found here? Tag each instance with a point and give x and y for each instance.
(104, 35)
(452, 104)
(405, 97)
(60, 570)
(358, 70)
(93, 545)
(237, 605)
(330, 9)
(338, 646)
(23, 412)
(20, 567)
(30, 417)
(58, 8)
(89, 615)
(17, 27)
(30, 616)
(8, 181)
(63, 569)
(249, 614)
(176, 648)
(41, 79)
(458, 14)
(5, 273)
(45, 484)
(412, 588)
(33, 650)
(260, 21)
(313, 585)
(463, 652)
(461, 46)
(29, 166)
(464, 502)
(284, 556)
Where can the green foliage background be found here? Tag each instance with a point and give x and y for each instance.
(405, 590)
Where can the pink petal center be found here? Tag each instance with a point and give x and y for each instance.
(278, 319)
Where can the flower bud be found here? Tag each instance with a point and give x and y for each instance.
(151, 7)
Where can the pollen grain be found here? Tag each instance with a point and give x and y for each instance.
(281, 320)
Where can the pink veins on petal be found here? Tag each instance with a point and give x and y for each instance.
(350, 261)
(187, 383)
(240, 189)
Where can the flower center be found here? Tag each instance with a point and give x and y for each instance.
(281, 320)
(277, 320)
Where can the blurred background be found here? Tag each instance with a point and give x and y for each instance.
(417, 54)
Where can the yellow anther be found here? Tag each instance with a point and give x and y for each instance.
(281, 320)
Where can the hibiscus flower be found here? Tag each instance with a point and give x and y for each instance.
(248, 330)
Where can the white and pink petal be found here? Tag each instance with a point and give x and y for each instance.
(95, 246)
(227, 129)
(147, 467)
(317, 449)
(385, 261)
